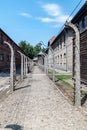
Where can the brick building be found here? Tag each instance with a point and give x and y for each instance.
(80, 20)
(63, 45)
(5, 53)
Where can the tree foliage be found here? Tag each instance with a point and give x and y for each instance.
(29, 50)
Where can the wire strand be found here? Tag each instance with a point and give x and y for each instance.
(70, 16)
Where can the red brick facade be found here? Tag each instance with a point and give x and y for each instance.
(5, 53)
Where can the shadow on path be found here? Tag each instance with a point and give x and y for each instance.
(83, 100)
(14, 127)
(22, 87)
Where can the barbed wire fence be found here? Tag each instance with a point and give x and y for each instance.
(63, 67)
(66, 63)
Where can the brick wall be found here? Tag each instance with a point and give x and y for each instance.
(5, 53)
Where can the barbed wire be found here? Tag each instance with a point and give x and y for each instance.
(62, 27)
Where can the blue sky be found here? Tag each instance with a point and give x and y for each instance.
(35, 20)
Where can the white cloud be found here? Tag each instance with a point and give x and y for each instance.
(55, 14)
(52, 9)
(25, 15)
(47, 20)
(59, 19)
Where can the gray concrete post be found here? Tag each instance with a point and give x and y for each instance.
(47, 66)
(45, 63)
(66, 50)
(53, 69)
(21, 64)
(11, 67)
(77, 63)
(26, 64)
(53, 63)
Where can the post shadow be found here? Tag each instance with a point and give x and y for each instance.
(22, 87)
(83, 100)
(14, 127)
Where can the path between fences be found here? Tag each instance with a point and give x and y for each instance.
(37, 104)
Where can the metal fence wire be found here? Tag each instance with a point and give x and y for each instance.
(66, 66)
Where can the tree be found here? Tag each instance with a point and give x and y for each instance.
(22, 45)
(37, 49)
(27, 48)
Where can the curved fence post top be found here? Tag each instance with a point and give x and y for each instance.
(9, 45)
(20, 52)
(73, 26)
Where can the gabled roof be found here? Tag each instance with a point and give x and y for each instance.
(40, 53)
(12, 41)
(36, 58)
(51, 40)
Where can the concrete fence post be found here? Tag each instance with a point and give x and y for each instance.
(45, 63)
(21, 64)
(24, 65)
(45, 67)
(53, 74)
(53, 69)
(77, 63)
(11, 67)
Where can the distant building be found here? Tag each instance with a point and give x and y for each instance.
(41, 58)
(80, 20)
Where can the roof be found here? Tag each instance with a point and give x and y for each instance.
(41, 53)
(52, 40)
(78, 14)
(82, 11)
(12, 41)
(36, 58)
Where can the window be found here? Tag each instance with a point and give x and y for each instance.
(64, 39)
(7, 40)
(60, 59)
(58, 47)
(8, 58)
(80, 26)
(1, 57)
(61, 43)
(1, 39)
(58, 44)
(85, 22)
(64, 58)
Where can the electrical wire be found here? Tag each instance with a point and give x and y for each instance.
(70, 16)
(74, 10)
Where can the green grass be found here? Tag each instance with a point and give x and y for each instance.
(50, 71)
(84, 93)
(63, 76)
(67, 84)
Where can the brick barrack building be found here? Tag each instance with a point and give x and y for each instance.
(5, 53)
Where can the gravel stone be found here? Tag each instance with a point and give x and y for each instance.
(37, 104)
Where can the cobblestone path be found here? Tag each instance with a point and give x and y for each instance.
(38, 105)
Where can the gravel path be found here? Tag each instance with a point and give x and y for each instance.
(38, 105)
